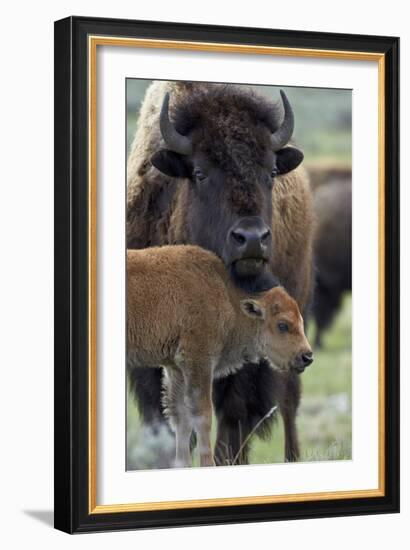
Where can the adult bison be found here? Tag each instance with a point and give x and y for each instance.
(332, 248)
(209, 166)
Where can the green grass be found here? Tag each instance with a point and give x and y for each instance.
(324, 419)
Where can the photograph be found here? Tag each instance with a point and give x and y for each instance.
(239, 274)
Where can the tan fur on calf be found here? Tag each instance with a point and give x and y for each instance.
(185, 314)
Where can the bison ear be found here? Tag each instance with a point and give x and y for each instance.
(288, 159)
(253, 309)
(171, 164)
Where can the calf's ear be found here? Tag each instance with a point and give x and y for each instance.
(171, 164)
(253, 309)
(288, 159)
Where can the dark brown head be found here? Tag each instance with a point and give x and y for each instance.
(286, 345)
(228, 144)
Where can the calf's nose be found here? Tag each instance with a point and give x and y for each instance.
(306, 358)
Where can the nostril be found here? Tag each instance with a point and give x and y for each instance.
(238, 237)
(307, 358)
(265, 235)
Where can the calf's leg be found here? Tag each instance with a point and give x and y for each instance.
(198, 388)
(178, 415)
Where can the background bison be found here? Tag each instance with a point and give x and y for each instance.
(158, 214)
(332, 246)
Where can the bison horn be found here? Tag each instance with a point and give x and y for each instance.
(174, 141)
(284, 133)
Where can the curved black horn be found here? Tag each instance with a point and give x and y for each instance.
(284, 133)
(174, 141)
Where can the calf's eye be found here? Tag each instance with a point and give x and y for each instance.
(283, 327)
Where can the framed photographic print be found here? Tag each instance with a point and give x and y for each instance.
(226, 274)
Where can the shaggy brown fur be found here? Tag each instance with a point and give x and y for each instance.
(232, 132)
(185, 314)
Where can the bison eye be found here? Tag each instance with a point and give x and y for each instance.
(283, 327)
(199, 175)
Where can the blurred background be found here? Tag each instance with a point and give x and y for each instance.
(323, 132)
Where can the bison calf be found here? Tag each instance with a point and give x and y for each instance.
(185, 314)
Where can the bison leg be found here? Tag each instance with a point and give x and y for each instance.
(178, 415)
(288, 406)
(198, 388)
(230, 448)
(241, 401)
(327, 302)
(146, 387)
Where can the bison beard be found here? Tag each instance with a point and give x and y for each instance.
(166, 205)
